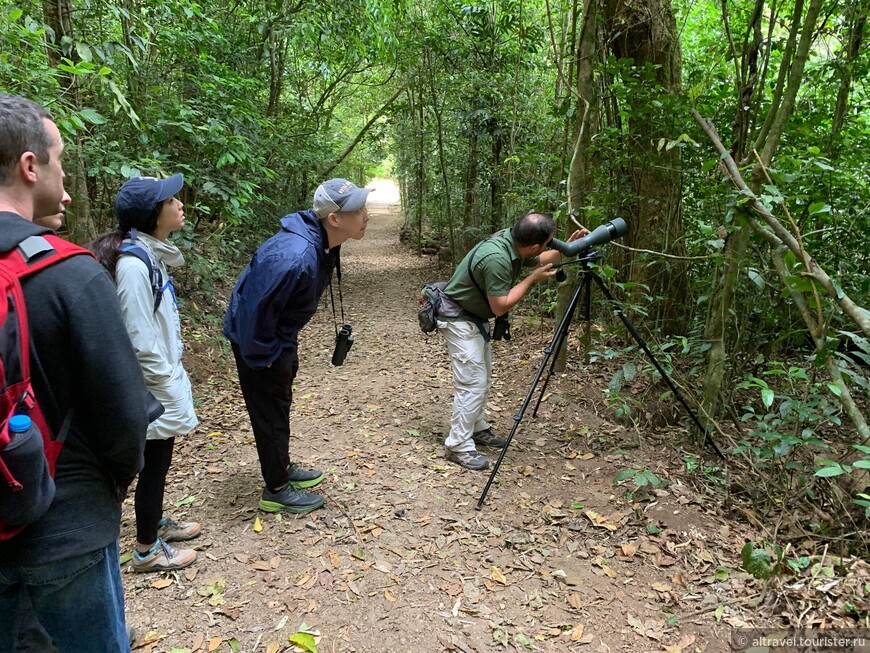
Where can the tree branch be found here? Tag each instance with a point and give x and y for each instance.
(325, 173)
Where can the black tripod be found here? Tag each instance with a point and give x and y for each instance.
(584, 290)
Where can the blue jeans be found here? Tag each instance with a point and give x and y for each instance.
(79, 602)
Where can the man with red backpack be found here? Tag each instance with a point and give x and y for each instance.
(62, 568)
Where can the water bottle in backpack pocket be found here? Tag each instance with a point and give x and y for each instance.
(26, 485)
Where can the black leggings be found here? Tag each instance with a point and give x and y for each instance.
(149, 489)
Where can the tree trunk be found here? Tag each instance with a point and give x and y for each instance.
(646, 32)
(79, 221)
(721, 302)
(496, 208)
(584, 128)
(469, 208)
(857, 16)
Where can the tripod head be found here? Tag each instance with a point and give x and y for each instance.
(590, 256)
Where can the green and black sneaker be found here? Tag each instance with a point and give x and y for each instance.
(287, 500)
(301, 479)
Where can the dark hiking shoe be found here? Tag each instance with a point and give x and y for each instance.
(303, 478)
(289, 501)
(488, 439)
(468, 459)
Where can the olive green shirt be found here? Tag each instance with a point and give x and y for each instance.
(496, 264)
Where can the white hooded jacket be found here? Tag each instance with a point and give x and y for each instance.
(156, 336)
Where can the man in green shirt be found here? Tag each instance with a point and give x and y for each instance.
(483, 285)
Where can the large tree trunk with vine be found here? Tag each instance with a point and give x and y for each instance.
(646, 32)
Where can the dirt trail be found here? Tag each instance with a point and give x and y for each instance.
(398, 559)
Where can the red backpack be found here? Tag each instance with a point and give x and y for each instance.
(28, 451)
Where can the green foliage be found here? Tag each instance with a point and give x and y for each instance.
(758, 561)
(640, 478)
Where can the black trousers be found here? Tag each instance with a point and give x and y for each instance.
(150, 488)
(268, 394)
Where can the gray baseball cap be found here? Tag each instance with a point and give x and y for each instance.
(338, 195)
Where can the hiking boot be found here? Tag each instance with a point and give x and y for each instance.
(162, 557)
(170, 530)
(289, 501)
(468, 459)
(488, 439)
(303, 478)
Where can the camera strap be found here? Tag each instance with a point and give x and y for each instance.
(332, 296)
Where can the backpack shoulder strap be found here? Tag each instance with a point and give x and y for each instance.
(129, 248)
(36, 253)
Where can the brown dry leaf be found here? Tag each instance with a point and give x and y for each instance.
(664, 561)
(305, 578)
(275, 562)
(636, 624)
(675, 648)
(334, 559)
(601, 521)
(527, 470)
(162, 583)
(389, 596)
(232, 613)
(686, 641)
(629, 550)
(242, 557)
(190, 574)
(586, 456)
(273, 647)
(497, 576)
(259, 565)
(198, 641)
(325, 579)
(662, 587)
(610, 571)
(577, 633)
(575, 601)
(214, 643)
(678, 579)
(649, 547)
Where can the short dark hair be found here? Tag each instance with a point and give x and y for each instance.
(533, 229)
(21, 130)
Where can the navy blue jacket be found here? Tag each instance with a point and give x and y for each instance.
(278, 292)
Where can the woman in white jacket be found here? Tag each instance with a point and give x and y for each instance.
(139, 257)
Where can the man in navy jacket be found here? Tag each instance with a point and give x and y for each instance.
(274, 298)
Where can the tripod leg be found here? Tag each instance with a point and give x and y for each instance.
(642, 343)
(558, 337)
(562, 331)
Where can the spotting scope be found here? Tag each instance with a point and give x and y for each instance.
(602, 235)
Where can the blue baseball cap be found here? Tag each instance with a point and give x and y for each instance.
(139, 196)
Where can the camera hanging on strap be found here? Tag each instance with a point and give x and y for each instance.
(343, 333)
